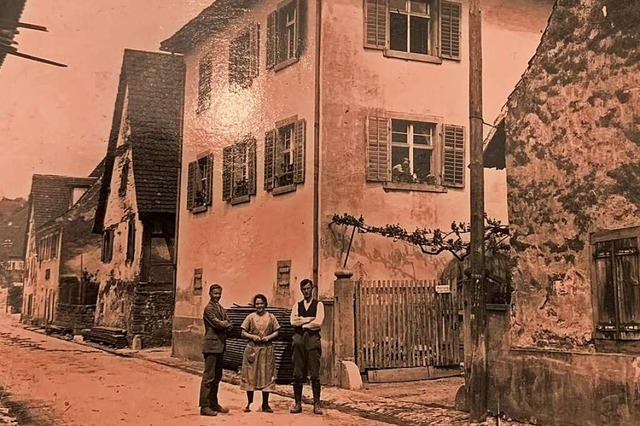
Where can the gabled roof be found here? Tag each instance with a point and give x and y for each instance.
(153, 84)
(10, 13)
(209, 21)
(13, 230)
(51, 195)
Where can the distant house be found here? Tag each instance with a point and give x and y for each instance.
(60, 246)
(295, 113)
(136, 212)
(569, 350)
(13, 231)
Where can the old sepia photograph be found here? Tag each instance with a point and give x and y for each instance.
(320, 212)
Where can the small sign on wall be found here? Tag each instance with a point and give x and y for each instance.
(197, 281)
(284, 274)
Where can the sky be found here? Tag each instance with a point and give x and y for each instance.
(57, 120)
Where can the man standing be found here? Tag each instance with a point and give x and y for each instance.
(306, 318)
(216, 325)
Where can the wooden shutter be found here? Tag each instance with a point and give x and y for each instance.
(251, 165)
(272, 35)
(375, 23)
(450, 18)
(269, 159)
(209, 179)
(299, 31)
(377, 149)
(299, 151)
(254, 47)
(227, 172)
(453, 164)
(191, 185)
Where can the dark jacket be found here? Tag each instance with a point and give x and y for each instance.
(216, 326)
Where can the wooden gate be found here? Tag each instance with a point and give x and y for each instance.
(402, 323)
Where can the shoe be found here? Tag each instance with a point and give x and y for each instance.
(316, 409)
(220, 409)
(247, 409)
(297, 409)
(208, 411)
(267, 409)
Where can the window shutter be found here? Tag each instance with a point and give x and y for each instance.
(453, 165)
(299, 30)
(227, 172)
(269, 159)
(375, 23)
(272, 34)
(251, 165)
(209, 178)
(378, 149)
(191, 185)
(299, 151)
(254, 46)
(450, 18)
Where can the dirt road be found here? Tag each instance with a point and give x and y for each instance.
(63, 383)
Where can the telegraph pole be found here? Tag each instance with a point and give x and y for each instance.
(475, 350)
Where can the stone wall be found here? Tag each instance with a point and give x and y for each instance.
(75, 316)
(152, 314)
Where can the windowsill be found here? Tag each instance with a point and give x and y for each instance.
(284, 64)
(240, 200)
(412, 56)
(417, 187)
(629, 346)
(199, 209)
(284, 189)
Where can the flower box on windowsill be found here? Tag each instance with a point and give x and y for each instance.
(284, 189)
(240, 200)
(412, 56)
(199, 209)
(418, 187)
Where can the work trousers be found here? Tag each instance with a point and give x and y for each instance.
(307, 352)
(211, 380)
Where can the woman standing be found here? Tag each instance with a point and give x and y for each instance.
(258, 361)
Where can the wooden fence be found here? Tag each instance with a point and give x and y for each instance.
(402, 323)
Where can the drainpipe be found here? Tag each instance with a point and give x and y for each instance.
(179, 192)
(316, 149)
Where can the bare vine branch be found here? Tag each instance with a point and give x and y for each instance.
(434, 241)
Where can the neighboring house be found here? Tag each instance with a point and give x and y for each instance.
(58, 234)
(570, 351)
(136, 213)
(13, 230)
(297, 110)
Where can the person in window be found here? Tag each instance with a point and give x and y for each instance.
(216, 325)
(259, 361)
(306, 318)
(401, 172)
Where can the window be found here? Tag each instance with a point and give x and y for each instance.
(48, 247)
(422, 152)
(159, 255)
(131, 240)
(244, 57)
(205, 72)
(47, 274)
(124, 178)
(414, 29)
(199, 183)
(239, 171)
(285, 155)
(107, 245)
(412, 153)
(616, 284)
(284, 35)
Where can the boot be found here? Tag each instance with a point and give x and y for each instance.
(315, 386)
(297, 394)
(207, 411)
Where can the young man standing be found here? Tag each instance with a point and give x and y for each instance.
(306, 318)
(216, 326)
